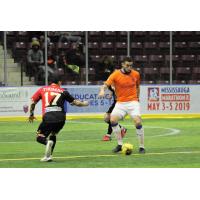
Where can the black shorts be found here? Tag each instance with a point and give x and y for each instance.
(111, 107)
(46, 128)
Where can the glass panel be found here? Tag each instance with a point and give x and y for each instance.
(105, 48)
(186, 60)
(149, 50)
(66, 48)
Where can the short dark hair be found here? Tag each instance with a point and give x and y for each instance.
(55, 79)
(127, 58)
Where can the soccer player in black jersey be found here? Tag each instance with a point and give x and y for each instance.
(53, 99)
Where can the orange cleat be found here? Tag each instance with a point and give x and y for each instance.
(106, 138)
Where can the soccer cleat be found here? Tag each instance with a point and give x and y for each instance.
(106, 138)
(141, 150)
(123, 131)
(117, 149)
(46, 159)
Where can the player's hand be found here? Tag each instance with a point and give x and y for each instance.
(85, 103)
(101, 94)
(110, 95)
(31, 119)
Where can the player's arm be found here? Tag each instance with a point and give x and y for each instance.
(31, 115)
(34, 99)
(106, 85)
(74, 102)
(102, 90)
(78, 103)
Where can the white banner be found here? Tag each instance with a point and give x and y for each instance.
(154, 99)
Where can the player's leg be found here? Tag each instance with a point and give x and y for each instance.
(41, 136)
(43, 132)
(53, 138)
(135, 114)
(54, 128)
(117, 114)
(140, 133)
(107, 136)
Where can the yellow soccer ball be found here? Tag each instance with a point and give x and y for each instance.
(127, 149)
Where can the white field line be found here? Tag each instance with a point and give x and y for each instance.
(98, 156)
(173, 131)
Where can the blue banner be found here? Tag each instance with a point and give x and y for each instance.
(90, 94)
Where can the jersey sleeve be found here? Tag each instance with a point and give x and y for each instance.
(68, 97)
(110, 79)
(37, 96)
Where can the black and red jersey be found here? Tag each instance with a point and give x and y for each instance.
(53, 98)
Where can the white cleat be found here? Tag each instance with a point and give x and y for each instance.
(46, 159)
(48, 150)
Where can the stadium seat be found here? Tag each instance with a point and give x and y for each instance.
(147, 82)
(121, 57)
(109, 36)
(150, 45)
(164, 45)
(155, 33)
(194, 45)
(11, 38)
(93, 48)
(194, 81)
(180, 45)
(136, 46)
(22, 36)
(122, 33)
(162, 82)
(185, 33)
(139, 33)
(107, 48)
(183, 73)
(166, 33)
(70, 83)
(150, 73)
(121, 48)
(196, 73)
(94, 36)
(175, 60)
(91, 73)
(96, 58)
(157, 60)
(188, 60)
(19, 51)
(165, 73)
(63, 46)
(179, 82)
(79, 33)
(140, 59)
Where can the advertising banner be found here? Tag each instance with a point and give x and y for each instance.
(154, 99)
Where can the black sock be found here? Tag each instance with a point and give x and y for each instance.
(53, 138)
(41, 140)
(109, 128)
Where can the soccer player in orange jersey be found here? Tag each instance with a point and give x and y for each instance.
(127, 88)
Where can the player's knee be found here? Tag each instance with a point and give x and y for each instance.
(138, 126)
(107, 118)
(52, 137)
(41, 139)
(113, 123)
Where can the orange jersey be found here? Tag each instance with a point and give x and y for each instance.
(125, 85)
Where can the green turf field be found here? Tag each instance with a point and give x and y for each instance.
(169, 143)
